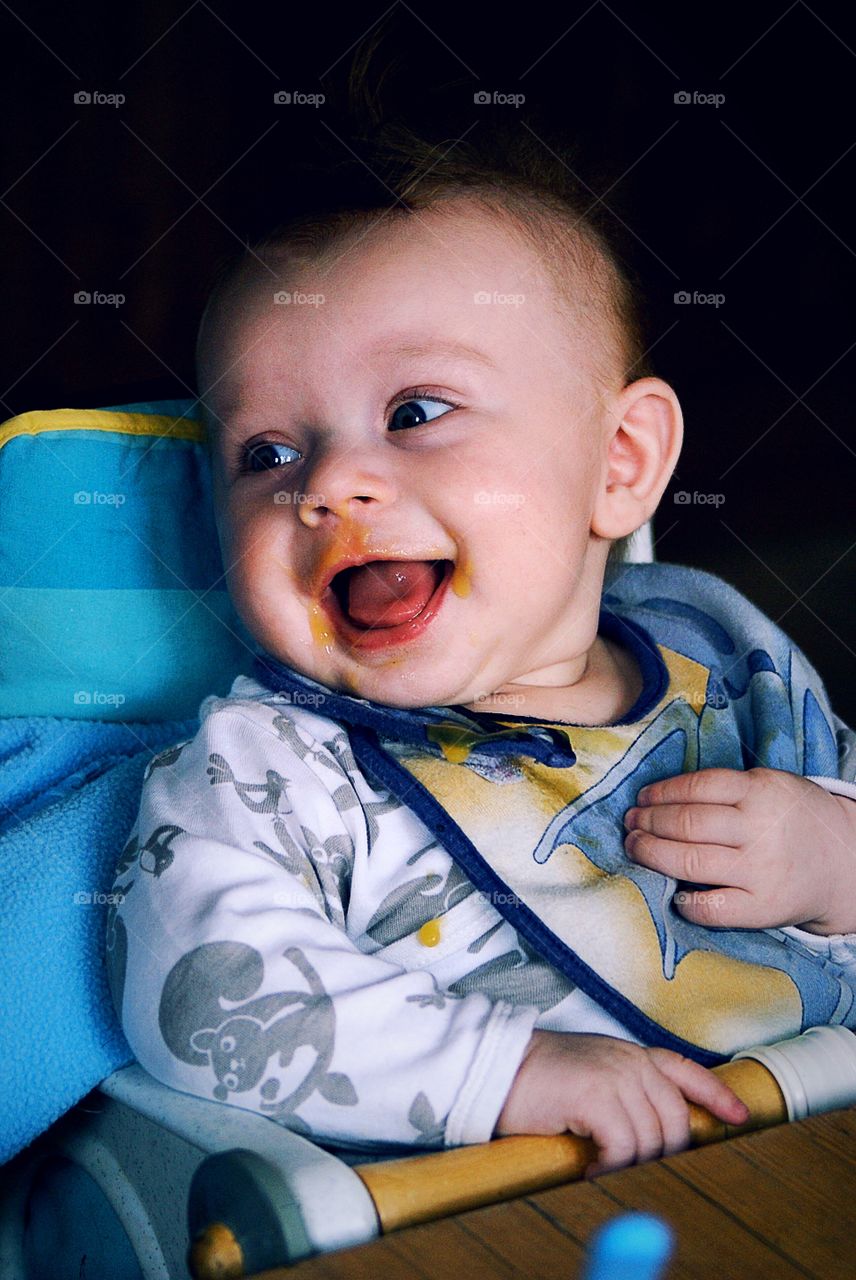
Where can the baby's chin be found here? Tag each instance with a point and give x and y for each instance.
(395, 684)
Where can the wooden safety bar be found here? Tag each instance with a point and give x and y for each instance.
(424, 1188)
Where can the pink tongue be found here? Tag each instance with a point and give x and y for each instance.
(386, 593)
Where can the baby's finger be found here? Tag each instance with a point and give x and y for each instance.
(700, 863)
(615, 1137)
(645, 1115)
(673, 1113)
(702, 1086)
(710, 786)
(720, 824)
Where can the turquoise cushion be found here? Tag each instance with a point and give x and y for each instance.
(113, 604)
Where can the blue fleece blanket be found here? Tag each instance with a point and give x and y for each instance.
(69, 793)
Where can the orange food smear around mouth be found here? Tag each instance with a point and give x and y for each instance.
(320, 627)
(461, 582)
(352, 541)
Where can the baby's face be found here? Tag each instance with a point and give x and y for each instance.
(403, 419)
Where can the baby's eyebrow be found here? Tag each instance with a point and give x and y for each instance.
(447, 350)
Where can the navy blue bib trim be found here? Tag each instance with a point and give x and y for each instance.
(408, 724)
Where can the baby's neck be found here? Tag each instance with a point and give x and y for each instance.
(610, 687)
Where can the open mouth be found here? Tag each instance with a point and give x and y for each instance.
(386, 601)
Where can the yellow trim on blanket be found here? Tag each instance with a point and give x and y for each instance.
(132, 424)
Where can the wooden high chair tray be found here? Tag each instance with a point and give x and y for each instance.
(778, 1203)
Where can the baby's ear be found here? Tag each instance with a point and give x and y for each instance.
(642, 443)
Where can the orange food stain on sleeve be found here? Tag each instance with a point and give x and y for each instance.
(429, 934)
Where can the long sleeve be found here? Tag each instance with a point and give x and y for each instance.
(843, 782)
(233, 972)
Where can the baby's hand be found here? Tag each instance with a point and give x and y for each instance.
(776, 848)
(630, 1100)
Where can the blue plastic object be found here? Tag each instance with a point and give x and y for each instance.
(634, 1246)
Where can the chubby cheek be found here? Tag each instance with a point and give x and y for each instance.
(517, 541)
(260, 580)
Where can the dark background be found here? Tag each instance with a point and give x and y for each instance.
(750, 199)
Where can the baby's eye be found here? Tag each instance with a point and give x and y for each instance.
(410, 416)
(264, 454)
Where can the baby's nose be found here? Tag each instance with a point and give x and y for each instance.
(312, 508)
(344, 488)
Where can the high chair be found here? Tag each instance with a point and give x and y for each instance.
(141, 1182)
(138, 1181)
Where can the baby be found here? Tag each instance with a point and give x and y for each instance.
(404, 886)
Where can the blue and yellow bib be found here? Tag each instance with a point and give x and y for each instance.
(533, 811)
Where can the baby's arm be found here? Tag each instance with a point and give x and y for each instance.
(630, 1100)
(233, 982)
